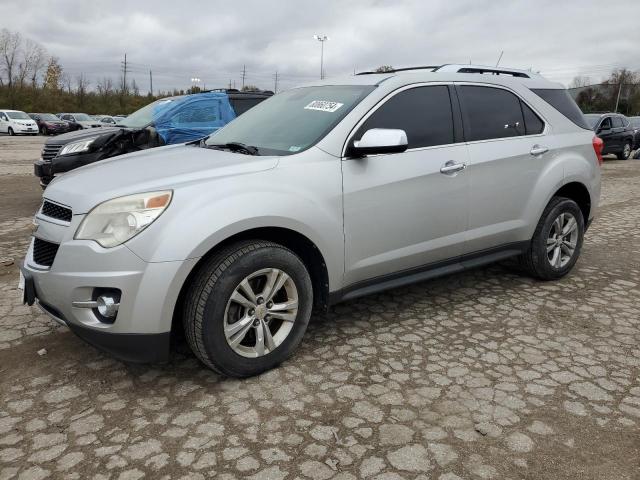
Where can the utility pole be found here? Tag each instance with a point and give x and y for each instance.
(619, 91)
(151, 82)
(244, 74)
(321, 39)
(124, 74)
(275, 87)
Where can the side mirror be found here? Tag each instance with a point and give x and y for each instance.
(379, 141)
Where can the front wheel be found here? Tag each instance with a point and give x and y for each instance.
(557, 241)
(43, 131)
(625, 153)
(11, 132)
(247, 308)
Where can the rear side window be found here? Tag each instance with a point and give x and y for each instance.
(562, 101)
(617, 122)
(241, 105)
(491, 113)
(424, 113)
(532, 123)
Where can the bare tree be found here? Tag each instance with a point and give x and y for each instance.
(580, 81)
(82, 86)
(10, 43)
(65, 81)
(35, 59)
(105, 87)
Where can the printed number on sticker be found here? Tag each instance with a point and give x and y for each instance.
(323, 106)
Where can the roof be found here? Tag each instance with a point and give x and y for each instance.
(9, 110)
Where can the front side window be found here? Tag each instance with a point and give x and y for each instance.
(292, 121)
(491, 113)
(606, 123)
(424, 113)
(195, 115)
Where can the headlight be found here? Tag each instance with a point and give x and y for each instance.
(76, 147)
(115, 221)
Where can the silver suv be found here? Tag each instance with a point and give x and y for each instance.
(320, 194)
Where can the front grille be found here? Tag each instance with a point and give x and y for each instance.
(54, 210)
(44, 252)
(50, 151)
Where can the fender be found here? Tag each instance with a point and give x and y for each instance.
(197, 221)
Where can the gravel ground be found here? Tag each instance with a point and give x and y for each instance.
(487, 374)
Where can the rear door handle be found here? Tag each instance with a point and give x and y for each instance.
(451, 167)
(538, 150)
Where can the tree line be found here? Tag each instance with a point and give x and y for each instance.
(33, 80)
(621, 89)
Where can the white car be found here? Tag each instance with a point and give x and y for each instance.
(14, 122)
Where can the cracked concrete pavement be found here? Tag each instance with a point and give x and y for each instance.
(486, 374)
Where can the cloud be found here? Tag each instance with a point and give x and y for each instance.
(213, 41)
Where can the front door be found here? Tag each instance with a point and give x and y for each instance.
(402, 211)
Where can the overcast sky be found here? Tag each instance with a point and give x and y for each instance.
(213, 40)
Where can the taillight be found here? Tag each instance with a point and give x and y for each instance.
(598, 144)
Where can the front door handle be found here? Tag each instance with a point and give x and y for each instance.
(538, 150)
(452, 167)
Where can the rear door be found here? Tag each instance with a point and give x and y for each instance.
(4, 123)
(400, 211)
(507, 156)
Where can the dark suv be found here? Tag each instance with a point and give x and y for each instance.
(615, 131)
(166, 121)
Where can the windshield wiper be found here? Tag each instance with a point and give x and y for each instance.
(235, 147)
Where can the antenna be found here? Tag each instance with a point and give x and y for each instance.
(500, 58)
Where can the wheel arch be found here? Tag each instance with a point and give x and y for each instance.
(579, 193)
(298, 243)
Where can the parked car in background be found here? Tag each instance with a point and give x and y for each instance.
(635, 124)
(107, 120)
(615, 131)
(320, 194)
(15, 122)
(49, 124)
(119, 118)
(164, 122)
(82, 119)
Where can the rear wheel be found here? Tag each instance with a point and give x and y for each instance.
(247, 308)
(557, 241)
(625, 153)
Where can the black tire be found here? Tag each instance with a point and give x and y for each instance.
(625, 153)
(11, 132)
(43, 131)
(209, 292)
(535, 260)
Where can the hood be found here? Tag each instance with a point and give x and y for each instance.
(159, 168)
(79, 135)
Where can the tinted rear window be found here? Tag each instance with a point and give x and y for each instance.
(562, 101)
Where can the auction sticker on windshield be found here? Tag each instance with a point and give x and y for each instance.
(323, 106)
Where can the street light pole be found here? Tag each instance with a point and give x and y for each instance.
(321, 39)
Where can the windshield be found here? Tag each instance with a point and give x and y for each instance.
(82, 117)
(49, 117)
(592, 120)
(292, 121)
(144, 116)
(18, 116)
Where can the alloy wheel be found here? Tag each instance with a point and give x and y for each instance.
(627, 150)
(260, 313)
(562, 240)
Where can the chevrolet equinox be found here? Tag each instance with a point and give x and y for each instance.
(319, 194)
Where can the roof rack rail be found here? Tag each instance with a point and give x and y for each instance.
(393, 70)
(463, 68)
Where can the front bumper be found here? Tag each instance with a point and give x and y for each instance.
(24, 129)
(42, 169)
(149, 292)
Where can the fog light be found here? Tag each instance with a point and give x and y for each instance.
(107, 306)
